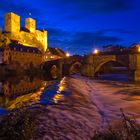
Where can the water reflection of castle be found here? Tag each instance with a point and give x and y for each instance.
(24, 86)
(14, 95)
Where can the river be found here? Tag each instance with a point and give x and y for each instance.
(75, 106)
(18, 92)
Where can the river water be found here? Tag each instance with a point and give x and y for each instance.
(73, 107)
(23, 91)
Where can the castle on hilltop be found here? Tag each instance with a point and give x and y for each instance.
(23, 46)
(28, 35)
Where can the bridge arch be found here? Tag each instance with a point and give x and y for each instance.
(100, 65)
(75, 67)
(52, 69)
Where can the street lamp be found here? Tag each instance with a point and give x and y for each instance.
(96, 51)
(67, 55)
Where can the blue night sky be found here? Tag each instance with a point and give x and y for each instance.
(79, 26)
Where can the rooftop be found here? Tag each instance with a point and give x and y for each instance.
(20, 47)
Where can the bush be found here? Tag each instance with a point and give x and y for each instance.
(17, 125)
(128, 130)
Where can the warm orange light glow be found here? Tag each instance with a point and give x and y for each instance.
(61, 88)
(52, 57)
(96, 51)
(67, 54)
(57, 98)
(138, 49)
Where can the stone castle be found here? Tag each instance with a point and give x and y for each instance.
(22, 46)
(28, 35)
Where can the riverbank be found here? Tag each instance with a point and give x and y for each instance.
(90, 106)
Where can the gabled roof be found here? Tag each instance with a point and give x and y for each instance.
(57, 51)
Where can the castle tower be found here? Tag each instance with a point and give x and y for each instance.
(30, 24)
(45, 41)
(12, 22)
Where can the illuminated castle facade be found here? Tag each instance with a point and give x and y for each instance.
(27, 35)
(24, 46)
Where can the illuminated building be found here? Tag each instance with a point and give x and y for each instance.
(26, 46)
(23, 46)
(25, 57)
(27, 35)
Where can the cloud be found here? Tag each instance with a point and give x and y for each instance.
(99, 5)
(55, 32)
(83, 42)
(89, 39)
(62, 33)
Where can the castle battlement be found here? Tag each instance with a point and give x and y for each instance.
(29, 36)
(30, 24)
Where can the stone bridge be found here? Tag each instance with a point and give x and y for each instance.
(94, 62)
(91, 64)
(63, 66)
(72, 65)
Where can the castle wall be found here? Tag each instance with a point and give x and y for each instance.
(33, 38)
(26, 59)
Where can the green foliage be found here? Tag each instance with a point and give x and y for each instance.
(129, 129)
(17, 125)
